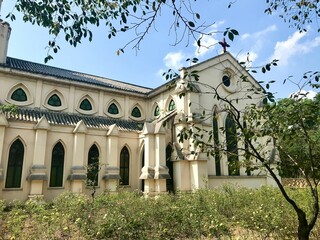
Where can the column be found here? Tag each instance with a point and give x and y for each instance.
(147, 172)
(3, 125)
(78, 174)
(38, 171)
(161, 170)
(111, 175)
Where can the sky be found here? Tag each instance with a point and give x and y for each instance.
(264, 37)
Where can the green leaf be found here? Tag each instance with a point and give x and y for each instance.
(230, 36)
(191, 24)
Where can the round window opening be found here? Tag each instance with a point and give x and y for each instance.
(226, 80)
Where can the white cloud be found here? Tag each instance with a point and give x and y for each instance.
(208, 42)
(303, 94)
(284, 50)
(259, 34)
(174, 60)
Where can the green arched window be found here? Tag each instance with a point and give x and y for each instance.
(93, 166)
(216, 144)
(113, 109)
(19, 95)
(232, 146)
(172, 105)
(54, 101)
(85, 105)
(57, 164)
(136, 112)
(156, 111)
(15, 163)
(124, 166)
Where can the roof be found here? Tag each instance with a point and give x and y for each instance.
(71, 119)
(36, 68)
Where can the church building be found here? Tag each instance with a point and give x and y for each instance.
(74, 131)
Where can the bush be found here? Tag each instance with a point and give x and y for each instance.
(225, 212)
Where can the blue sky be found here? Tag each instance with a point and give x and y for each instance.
(265, 37)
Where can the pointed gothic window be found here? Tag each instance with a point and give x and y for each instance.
(124, 166)
(113, 109)
(85, 105)
(136, 112)
(57, 163)
(232, 148)
(156, 111)
(172, 105)
(15, 163)
(93, 166)
(216, 144)
(19, 95)
(54, 101)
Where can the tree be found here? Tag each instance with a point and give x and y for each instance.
(73, 20)
(299, 14)
(295, 144)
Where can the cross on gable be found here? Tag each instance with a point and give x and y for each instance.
(224, 45)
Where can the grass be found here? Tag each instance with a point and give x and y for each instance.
(224, 213)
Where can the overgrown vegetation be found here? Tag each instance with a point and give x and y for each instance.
(223, 213)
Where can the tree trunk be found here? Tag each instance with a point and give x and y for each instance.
(303, 228)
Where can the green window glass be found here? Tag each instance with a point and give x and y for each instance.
(113, 109)
(136, 112)
(15, 163)
(124, 166)
(93, 166)
(232, 148)
(216, 144)
(19, 95)
(54, 101)
(57, 163)
(156, 111)
(85, 105)
(169, 164)
(172, 105)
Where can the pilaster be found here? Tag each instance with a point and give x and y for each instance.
(147, 171)
(38, 171)
(78, 172)
(161, 170)
(111, 175)
(3, 125)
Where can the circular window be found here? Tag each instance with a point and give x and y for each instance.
(226, 80)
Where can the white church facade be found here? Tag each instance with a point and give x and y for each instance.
(127, 134)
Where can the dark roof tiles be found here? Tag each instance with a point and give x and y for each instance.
(46, 70)
(62, 118)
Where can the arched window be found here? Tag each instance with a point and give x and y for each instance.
(232, 148)
(136, 112)
(156, 111)
(85, 105)
(54, 101)
(172, 105)
(93, 166)
(169, 164)
(19, 95)
(113, 109)
(216, 143)
(124, 166)
(57, 163)
(15, 163)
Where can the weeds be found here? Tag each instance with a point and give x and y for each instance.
(225, 212)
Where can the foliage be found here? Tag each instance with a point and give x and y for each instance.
(299, 14)
(74, 20)
(297, 138)
(225, 212)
